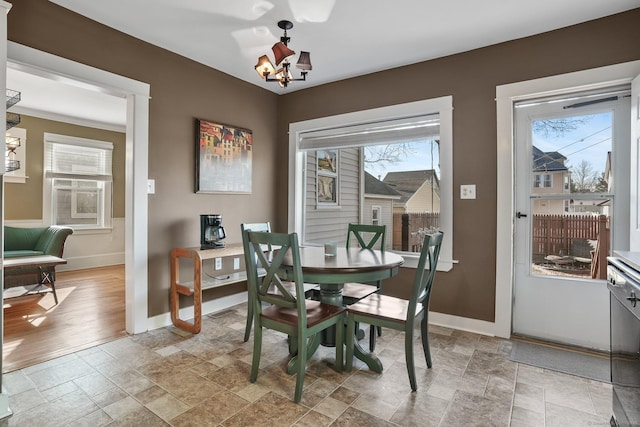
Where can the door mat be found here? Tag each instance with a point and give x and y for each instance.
(567, 361)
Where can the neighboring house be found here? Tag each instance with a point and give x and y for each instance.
(419, 190)
(378, 205)
(550, 176)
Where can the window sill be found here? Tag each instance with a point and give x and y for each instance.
(411, 261)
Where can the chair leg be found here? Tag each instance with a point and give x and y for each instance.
(408, 354)
(349, 342)
(372, 337)
(247, 329)
(340, 331)
(301, 366)
(257, 349)
(424, 332)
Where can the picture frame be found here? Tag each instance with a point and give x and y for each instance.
(223, 158)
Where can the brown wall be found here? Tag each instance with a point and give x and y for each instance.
(24, 201)
(471, 78)
(182, 90)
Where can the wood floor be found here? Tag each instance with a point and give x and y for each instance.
(91, 311)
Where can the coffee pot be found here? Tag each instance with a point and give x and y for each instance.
(211, 231)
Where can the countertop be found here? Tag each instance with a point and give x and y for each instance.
(630, 258)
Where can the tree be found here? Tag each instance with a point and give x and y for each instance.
(557, 127)
(602, 186)
(584, 178)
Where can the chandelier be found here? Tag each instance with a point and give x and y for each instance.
(282, 53)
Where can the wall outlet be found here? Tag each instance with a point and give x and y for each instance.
(468, 191)
(236, 263)
(218, 263)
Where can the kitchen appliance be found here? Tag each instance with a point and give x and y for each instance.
(623, 281)
(211, 231)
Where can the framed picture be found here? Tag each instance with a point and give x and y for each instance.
(327, 177)
(223, 158)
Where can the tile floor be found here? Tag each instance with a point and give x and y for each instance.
(167, 377)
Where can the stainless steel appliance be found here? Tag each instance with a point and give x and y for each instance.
(211, 231)
(623, 281)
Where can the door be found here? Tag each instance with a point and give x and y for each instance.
(571, 159)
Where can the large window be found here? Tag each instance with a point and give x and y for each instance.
(78, 182)
(376, 166)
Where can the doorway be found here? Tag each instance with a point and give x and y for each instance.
(506, 96)
(571, 159)
(137, 99)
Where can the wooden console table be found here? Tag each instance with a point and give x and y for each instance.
(45, 263)
(194, 288)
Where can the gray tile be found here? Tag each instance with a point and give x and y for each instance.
(168, 377)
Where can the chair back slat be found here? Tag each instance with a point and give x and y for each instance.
(425, 272)
(367, 235)
(271, 260)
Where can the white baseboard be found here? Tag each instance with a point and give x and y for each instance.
(92, 261)
(476, 326)
(209, 307)
(445, 320)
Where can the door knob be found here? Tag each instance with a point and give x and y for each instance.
(521, 215)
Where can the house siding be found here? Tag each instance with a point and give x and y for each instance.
(424, 200)
(329, 223)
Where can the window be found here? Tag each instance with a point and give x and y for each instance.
(327, 177)
(416, 136)
(375, 215)
(543, 180)
(77, 181)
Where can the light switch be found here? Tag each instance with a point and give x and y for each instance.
(468, 191)
(151, 186)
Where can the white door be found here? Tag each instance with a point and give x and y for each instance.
(571, 159)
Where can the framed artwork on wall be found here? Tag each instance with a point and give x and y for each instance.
(223, 158)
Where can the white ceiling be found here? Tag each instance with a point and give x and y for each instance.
(345, 38)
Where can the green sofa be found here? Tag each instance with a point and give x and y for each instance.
(26, 242)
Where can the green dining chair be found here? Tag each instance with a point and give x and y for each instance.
(401, 314)
(285, 310)
(367, 236)
(256, 226)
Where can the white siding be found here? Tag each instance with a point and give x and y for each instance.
(330, 223)
(386, 216)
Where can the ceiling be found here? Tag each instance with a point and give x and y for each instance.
(345, 38)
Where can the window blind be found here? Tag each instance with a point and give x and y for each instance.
(70, 158)
(392, 131)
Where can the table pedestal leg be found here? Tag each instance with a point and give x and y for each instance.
(330, 294)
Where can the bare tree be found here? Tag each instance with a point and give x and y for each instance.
(557, 127)
(584, 178)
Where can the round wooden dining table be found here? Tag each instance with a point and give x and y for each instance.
(348, 265)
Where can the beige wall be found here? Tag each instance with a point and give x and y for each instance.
(24, 201)
(471, 78)
(182, 90)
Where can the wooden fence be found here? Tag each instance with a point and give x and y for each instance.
(407, 228)
(585, 238)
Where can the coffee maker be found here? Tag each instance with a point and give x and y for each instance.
(211, 231)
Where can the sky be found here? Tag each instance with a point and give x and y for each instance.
(590, 142)
(419, 159)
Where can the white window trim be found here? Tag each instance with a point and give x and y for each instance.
(443, 106)
(48, 210)
(506, 95)
(377, 208)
